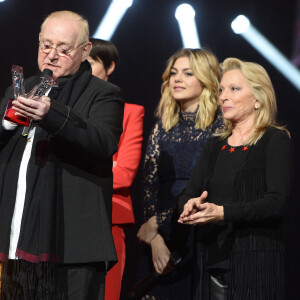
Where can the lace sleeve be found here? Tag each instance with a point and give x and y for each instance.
(165, 219)
(151, 180)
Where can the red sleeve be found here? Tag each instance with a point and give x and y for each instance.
(130, 148)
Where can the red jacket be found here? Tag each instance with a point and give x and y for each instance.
(128, 159)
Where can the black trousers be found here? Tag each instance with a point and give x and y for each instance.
(218, 286)
(81, 282)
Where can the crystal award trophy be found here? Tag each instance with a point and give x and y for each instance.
(18, 86)
(47, 82)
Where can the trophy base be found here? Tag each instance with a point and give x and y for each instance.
(10, 115)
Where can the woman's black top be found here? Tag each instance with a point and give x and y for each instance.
(219, 240)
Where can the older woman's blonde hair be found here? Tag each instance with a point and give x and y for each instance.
(263, 91)
(206, 69)
(83, 23)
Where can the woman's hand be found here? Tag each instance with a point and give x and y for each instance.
(192, 206)
(195, 211)
(160, 255)
(208, 212)
(148, 231)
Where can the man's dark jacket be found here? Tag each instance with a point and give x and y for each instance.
(70, 183)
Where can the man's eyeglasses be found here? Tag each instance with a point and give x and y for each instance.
(46, 47)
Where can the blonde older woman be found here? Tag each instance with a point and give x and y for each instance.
(238, 192)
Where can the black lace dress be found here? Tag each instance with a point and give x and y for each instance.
(169, 160)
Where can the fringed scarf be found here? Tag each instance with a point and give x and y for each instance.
(38, 246)
(257, 260)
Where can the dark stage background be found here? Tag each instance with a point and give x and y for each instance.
(146, 37)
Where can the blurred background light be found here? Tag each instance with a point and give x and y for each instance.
(241, 25)
(185, 15)
(112, 18)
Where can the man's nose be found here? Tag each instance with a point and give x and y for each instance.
(52, 54)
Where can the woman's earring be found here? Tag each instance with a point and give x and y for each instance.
(256, 105)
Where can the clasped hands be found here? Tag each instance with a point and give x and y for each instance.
(31, 108)
(197, 211)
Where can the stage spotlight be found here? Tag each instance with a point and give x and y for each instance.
(185, 15)
(242, 25)
(112, 18)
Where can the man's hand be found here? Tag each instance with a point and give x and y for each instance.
(160, 255)
(148, 231)
(32, 109)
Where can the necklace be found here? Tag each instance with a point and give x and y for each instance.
(234, 156)
(232, 149)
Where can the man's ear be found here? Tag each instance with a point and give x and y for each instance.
(86, 51)
(111, 68)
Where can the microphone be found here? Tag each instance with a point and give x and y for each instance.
(151, 279)
(46, 82)
(46, 72)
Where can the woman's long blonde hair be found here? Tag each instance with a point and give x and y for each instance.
(263, 91)
(206, 69)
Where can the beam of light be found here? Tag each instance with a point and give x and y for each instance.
(241, 25)
(185, 15)
(111, 19)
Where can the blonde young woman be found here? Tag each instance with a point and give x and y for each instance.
(187, 114)
(238, 193)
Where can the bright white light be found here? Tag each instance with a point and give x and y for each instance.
(124, 3)
(2, 0)
(184, 12)
(240, 24)
(270, 53)
(185, 15)
(112, 18)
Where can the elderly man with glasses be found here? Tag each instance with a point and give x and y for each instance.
(56, 182)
